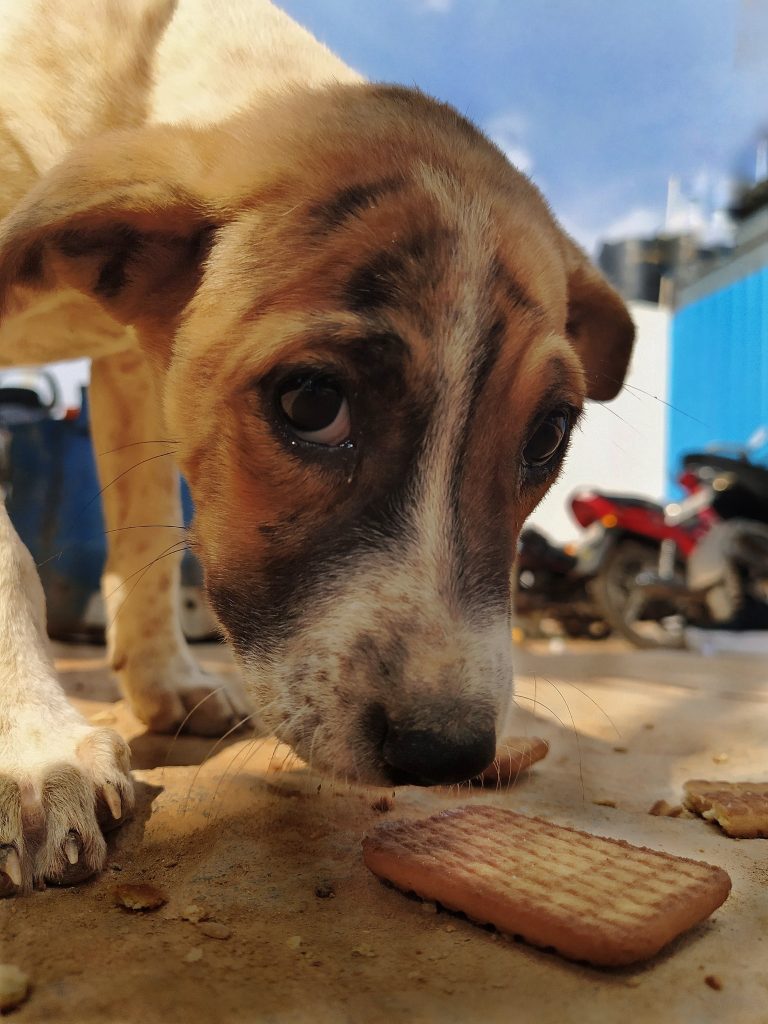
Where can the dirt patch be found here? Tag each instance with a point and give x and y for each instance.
(269, 854)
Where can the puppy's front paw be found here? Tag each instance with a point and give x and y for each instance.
(175, 693)
(62, 784)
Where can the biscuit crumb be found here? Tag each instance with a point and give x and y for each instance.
(364, 950)
(662, 809)
(138, 897)
(193, 955)
(604, 803)
(720, 758)
(14, 987)
(294, 942)
(714, 982)
(214, 930)
(383, 804)
(194, 913)
(325, 892)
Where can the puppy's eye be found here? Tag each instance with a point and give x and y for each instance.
(315, 408)
(548, 439)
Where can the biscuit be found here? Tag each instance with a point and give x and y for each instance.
(739, 808)
(599, 900)
(513, 755)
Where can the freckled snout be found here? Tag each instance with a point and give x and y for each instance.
(450, 741)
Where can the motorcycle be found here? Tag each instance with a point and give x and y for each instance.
(551, 587)
(701, 562)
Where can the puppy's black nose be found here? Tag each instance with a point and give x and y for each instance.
(458, 746)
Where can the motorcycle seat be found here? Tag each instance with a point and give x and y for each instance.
(535, 551)
(629, 501)
(751, 477)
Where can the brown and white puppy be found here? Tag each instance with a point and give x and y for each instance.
(370, 341)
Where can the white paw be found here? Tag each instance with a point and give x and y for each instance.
(177, 693)
(62, 784)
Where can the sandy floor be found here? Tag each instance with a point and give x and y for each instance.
(259, 844)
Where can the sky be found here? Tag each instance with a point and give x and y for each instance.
(599, 101)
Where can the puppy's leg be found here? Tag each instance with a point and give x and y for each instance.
(61, 780)
(142, 514)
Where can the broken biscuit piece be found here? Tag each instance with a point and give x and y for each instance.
(739, 808)
(599, 900)
(138, 897)
(513, 755)
(662, 809)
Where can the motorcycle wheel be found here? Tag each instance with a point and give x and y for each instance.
(643, 620)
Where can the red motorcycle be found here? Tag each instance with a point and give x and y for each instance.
(646, 551)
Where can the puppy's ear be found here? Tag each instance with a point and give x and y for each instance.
(599, 325)
(121, 219)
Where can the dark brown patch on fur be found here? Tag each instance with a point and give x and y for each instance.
(322, 511)
(112, 276)
(602, 332)
(108, 250)
(402, 276)
(112, 250)
(31, 269)
(511, 288)
(374, 285)
(352, 200)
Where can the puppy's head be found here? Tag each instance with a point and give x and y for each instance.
(376, 342)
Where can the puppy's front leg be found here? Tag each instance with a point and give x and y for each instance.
(142, 513)
(61, 780)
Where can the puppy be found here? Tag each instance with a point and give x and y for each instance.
(360, 334)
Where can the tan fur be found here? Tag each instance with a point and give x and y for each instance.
(203, 199)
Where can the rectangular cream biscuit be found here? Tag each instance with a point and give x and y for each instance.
(599, 900)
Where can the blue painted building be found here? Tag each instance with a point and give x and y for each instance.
(719, 347)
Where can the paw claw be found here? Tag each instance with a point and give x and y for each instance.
(72, 848)
(112, 799)
(57, 804)
(10, 865)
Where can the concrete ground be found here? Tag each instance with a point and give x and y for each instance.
(272, 853)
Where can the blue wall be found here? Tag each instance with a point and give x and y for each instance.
(719, 370)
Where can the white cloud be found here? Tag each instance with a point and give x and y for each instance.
(699, 206)
(509, 130)
(638, 222)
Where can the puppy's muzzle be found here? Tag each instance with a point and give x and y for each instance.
(454, 743)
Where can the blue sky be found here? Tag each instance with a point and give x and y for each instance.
(600, 101)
